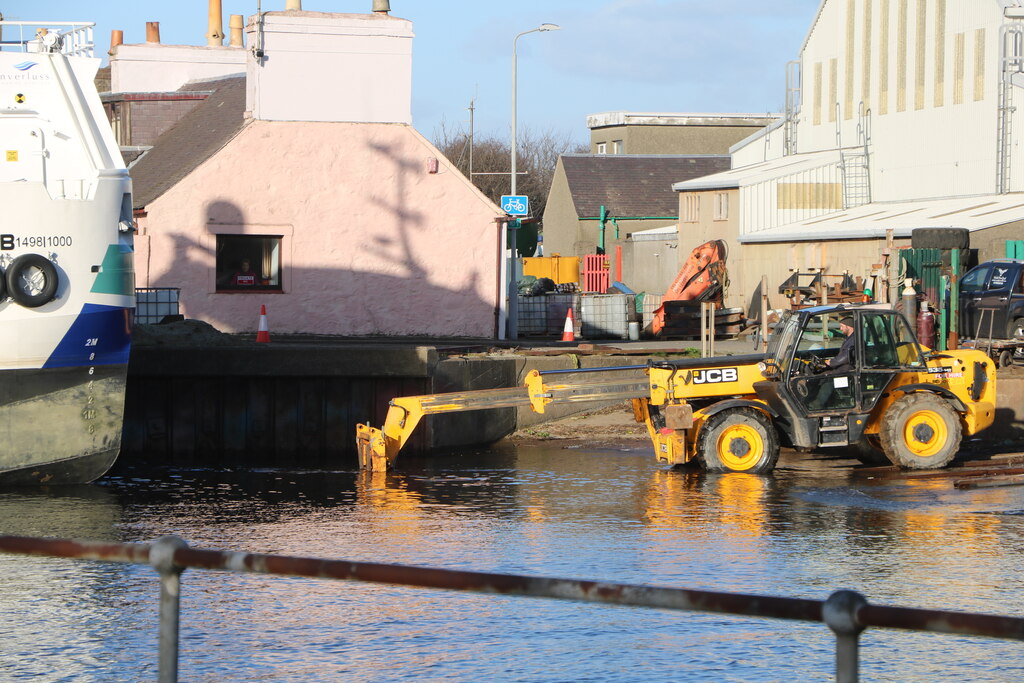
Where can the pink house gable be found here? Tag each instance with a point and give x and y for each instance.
(372, 241)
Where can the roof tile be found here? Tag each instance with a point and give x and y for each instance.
(634, 184)
(191, 141)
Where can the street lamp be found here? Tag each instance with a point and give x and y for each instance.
(508, 313)
(542, 27)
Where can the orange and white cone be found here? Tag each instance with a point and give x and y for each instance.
(263, 332)
(568, 332)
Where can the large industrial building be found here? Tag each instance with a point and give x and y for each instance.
(900, 114)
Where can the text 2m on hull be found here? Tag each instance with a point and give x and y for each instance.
(67, 289)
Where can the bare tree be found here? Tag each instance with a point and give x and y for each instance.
(535, 162)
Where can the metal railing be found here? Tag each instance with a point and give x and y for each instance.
(846, 613)
(75, 37)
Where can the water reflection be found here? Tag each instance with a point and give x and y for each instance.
(812, 527)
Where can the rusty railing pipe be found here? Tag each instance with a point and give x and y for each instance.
(847, 613)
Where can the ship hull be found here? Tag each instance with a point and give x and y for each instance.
(60, 425)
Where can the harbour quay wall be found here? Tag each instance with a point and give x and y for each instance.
(297, 405)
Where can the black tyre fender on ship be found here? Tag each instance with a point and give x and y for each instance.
(28, 271)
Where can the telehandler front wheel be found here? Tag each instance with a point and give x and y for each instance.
(738, 440)
(920, 431)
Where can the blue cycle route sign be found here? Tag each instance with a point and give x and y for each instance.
(515, 204)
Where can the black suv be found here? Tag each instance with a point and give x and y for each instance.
(996, 286)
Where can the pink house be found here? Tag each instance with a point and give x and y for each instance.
(307, 169)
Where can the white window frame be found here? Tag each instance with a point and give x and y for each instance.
(691, 207)
(721, 206)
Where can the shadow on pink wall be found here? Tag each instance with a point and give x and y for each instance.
(422, 277)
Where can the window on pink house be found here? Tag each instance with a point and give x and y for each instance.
(248, 263)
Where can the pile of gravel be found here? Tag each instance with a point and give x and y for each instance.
(182, 333)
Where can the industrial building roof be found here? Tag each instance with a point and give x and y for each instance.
(761, 172)
(628, 118)
(872, 220)
(192, 140)
(633, 185)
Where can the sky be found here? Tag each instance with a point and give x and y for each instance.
(685, 56)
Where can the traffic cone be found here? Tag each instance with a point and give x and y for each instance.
(568, 332)
(263, 332)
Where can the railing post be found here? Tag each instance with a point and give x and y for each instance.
(840, 613)
(161, 557)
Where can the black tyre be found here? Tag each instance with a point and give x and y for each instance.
(1016, 330)
(32, 280)
(940, 238)
(920, 431)
(739, 440)
(1005, 359)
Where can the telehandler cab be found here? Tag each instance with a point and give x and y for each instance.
(893, 401)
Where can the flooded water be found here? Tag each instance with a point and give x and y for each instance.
(613, 514)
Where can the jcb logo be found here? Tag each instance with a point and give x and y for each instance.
(713, 376)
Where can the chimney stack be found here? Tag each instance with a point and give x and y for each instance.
(237, 26)
(152, 31)
(215, 36)
(381, 6)
(292, 4)
(116, 38)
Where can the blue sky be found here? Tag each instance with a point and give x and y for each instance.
(611, 55)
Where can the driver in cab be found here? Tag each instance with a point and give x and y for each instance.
(844, 361)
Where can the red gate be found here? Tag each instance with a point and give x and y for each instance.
(596, 277)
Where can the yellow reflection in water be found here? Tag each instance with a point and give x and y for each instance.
(693, 506)
(385, 491)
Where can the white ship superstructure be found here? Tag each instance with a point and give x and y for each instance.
(67, 290)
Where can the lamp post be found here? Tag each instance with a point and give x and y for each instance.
(542, 27)
(510, 275)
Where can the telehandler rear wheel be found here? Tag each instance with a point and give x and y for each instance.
(738, 440)
(921, 431)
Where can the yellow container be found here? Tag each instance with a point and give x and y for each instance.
(561, 269)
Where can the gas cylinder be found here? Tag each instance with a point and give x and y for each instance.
(926, 326)
(910, 301)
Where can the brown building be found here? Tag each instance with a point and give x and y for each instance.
(621, 132)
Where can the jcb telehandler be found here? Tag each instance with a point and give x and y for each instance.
(893, 401)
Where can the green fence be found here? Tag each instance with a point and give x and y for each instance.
(1015, 249)
(925, 267)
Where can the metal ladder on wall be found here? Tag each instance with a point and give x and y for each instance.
(1012, 74)
(793, 89)
(854, 163)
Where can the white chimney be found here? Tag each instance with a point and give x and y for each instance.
(318, 66)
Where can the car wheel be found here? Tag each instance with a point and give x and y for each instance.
(1016, 330)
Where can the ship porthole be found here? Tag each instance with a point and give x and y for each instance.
(32, 280)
